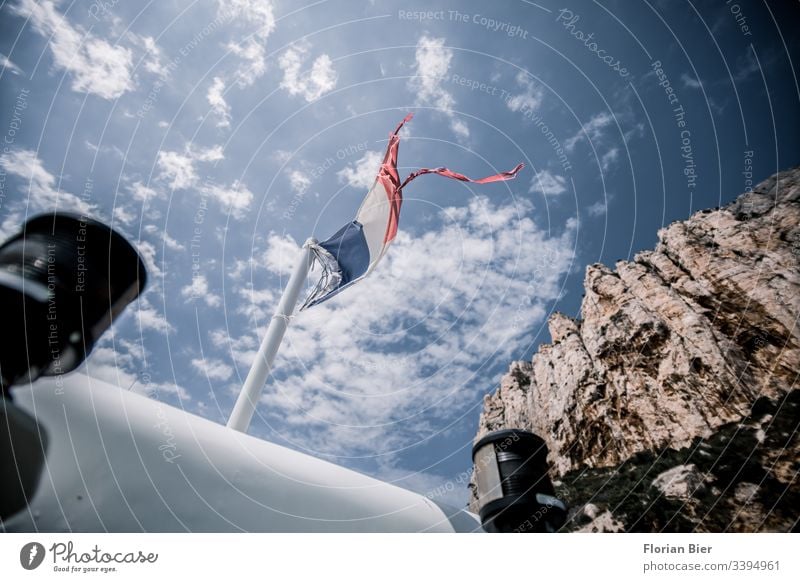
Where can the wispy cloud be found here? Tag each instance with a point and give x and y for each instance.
(151, 319)
(530, 99)
(178, 168)
(591, 130)
(609, 158)
(310, 83)
(255, 17)
(96, 66)
(40, 188)
(597, 209)
(144, 193)
(432, 63)
(125, 214)
(213, 369)
(362, 173)
(690, 82)
(152, 58)
(219, 106)
(746, 66)
(6, 63)
(548, 183)
(280, 255)
(299, 181)
(235, 198)
(198, 290)
(163, 235)
(257, 13)
(253, 54)
(595, 133)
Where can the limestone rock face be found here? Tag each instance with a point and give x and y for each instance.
(673, 349)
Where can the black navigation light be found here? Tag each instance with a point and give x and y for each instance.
(63, 280)
(515, 493)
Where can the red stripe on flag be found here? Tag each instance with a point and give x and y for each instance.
(390, 179)
(388, 176)
(501, 177)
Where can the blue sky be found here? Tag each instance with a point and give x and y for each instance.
(219, 136)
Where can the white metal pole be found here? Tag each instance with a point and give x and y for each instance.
(257, 376)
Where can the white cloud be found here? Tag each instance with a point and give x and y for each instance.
(125, 214)
(381, 364)
(235, 198)
(253, 55)
(135, 349)
(242, 347)
(592, 130)
(219, 106)
(150, 319)
(299, 182)
(239, 268)
(312, 83)
(168, 241)
(281, 254)
(362, 173)
(746, 66)
(432, 63)
(212, 154)
(256, 304)
(597, 209)
(151, 59)
(282, 156)
(548, 183)
(530, 99)
(147, 316)
(143, 193)
(6, 63)
(690, 82)
(96, 66)
(147, 251)
(41, 184)
(257, 13)
(257, 17)
(609, 158)
(178, 168)
(460, 128)
(213, 369)
(105, 149)
(198, 289)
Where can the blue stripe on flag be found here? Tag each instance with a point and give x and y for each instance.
(350, 249)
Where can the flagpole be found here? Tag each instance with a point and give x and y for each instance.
(257, 376)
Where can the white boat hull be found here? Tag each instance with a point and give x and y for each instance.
(120, 462)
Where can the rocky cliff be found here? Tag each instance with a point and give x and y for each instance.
(672, 403)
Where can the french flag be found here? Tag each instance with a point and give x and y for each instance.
(353, 252)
